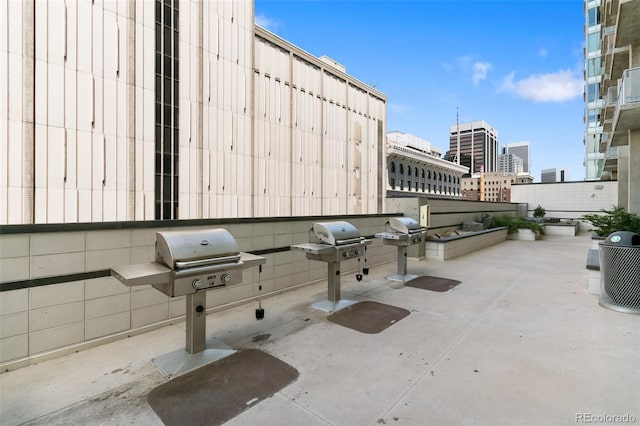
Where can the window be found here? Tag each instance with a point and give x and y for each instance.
(593, 117)
(593, 42)
(594, 67)
(393, 167)
(593, 92)
(593, 16)
(166, 117)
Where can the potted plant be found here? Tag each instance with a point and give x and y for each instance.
(616, 219)
(530, 230)
(539, 212)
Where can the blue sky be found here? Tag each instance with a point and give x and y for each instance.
(517, 64)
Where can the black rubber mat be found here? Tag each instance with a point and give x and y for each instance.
(432, 283)
(216, 393)
(368, 317)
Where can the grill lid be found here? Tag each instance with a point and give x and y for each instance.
(183, 249)
(405, 225)
(334, 233)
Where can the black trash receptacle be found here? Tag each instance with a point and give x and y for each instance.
(620, 272)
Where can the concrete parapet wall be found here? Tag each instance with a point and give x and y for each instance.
(448, 214)
(450, 247)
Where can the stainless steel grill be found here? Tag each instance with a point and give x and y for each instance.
(402, 232)
(334, 242)
(189, 263)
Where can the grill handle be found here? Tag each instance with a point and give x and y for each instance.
(204, 262)
(199, 270)
(349, 241)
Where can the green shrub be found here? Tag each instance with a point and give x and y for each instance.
(515, 223)
(616, 219)
(539, 211)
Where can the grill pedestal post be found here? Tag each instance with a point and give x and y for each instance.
(402, 275)
(196, 321)
(333, 281)
(333, 302)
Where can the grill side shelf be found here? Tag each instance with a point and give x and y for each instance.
(142, 274)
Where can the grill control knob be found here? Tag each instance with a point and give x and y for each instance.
(225, 278)
(196, 284)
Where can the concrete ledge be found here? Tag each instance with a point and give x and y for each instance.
(593, 260)
(449, 247)
(565, 229)
(525, 234)
(593, 271)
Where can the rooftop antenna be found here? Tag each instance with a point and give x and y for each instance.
(458, 136)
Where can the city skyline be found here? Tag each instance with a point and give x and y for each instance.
(519, 68)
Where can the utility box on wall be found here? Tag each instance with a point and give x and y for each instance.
(425, 216)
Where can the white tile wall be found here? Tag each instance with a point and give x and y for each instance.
(100, 240)
(54, 316)
(105, 259)
(14, 301)
(149, 315)
(104, 326)
(57, 264)
(58, 337)
(146, 297)
(14, 245)
(14, 324)
(177, 306)
(57, 242)
(56, 294)
(106, 286)
(14, 269)
(14, 347)
(108, 305)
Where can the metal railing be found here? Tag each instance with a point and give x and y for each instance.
(629, 87)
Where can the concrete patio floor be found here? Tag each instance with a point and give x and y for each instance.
(519, 341)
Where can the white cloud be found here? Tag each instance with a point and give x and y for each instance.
(560, 86)
(543, 53)
(266, 23)
(470, 64)
(480, 70)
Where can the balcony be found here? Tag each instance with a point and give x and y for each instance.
(611, 160)
(627, 113)
(605, 140)
(625, 15)
(610, 100)
(628, 23)
(519, 341)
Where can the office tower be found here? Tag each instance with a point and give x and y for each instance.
(593, 158)
(555, 175)
(477, 145)
(522, 150)
(510, 163)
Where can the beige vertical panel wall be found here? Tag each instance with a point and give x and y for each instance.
(317, 135)
(265, 128)
(68, 120)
